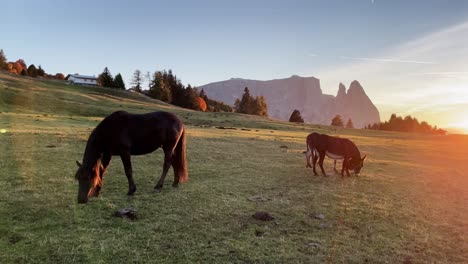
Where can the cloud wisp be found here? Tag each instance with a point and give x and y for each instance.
(387, 60)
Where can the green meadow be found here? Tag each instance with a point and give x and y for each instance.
(408, 205)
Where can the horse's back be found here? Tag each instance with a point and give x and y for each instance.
(330, 144)
(141, 133)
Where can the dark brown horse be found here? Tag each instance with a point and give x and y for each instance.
(123, 134)
(319, 145)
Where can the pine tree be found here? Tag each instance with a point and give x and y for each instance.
(148, 79)
(245, 103)
(137, 80)
(32, 71)
(296, 117)
(105, 79)
(236, 105)
(119, 82)
(155, 86)
(349, 124)
(203, 95)
(259, 106)
(40, 71)
(336, 121)
(190, 98)
(3, 59)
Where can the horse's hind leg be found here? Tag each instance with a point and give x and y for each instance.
(126, 160)
(175, 166)
(309, 154)
(168, 153)
(320, 162)
(314, 161)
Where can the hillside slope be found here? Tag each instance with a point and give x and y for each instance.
(407, 206)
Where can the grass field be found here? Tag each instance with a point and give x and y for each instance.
(409, 205)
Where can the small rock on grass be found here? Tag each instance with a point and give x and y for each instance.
(318, 216)
(258, 198)
(129, 213)
(259, 233)
(263, 216)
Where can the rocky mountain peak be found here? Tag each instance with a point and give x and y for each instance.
(283, 96)
(355, 88)
(341, 91)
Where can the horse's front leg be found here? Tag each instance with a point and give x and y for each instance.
(167, 164)
(126, 160)
(345, 167)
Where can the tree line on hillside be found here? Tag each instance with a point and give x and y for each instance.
(337, 121)
(407, 124)
(165, 86)
(105, 79)
(162, 85)
(19, 67)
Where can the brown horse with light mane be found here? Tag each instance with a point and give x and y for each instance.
(124, 134)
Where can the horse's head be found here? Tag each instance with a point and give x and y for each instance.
(356, 164)
(89, 181)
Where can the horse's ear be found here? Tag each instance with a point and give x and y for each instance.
(78, 164)
(363, 158)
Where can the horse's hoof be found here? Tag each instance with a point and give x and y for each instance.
(132, 190)
(175, 185)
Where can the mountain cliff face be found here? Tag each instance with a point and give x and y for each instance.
(303, 94)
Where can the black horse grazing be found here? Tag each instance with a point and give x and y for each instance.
(319, 145)
(123, 134)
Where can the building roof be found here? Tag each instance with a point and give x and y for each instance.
(81, 76)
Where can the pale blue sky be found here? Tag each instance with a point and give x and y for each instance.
(390, 46)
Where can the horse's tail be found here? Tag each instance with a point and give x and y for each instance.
(180, 164)
(309, 153)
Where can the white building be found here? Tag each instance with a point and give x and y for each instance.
(81, 79)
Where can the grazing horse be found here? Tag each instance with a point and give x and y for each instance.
(319, 145)
(124, 134)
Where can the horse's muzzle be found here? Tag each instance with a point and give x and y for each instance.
(82, 199)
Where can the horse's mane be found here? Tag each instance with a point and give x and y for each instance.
(92, 158)
(96, 180)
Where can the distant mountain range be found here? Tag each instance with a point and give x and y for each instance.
(303, 94)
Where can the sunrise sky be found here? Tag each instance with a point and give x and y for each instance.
(411, 57)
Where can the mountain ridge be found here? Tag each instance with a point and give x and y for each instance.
(304, 94)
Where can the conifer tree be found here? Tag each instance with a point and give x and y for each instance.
(3, 59)
(337, 121)
(119, 82)
(296, 117)
(40, 71)
(105, 79)
(32, 71)
(137, 80)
